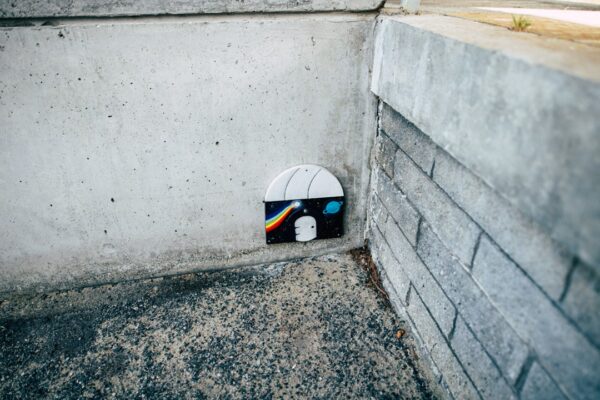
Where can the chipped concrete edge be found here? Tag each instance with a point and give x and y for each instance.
(29, 9)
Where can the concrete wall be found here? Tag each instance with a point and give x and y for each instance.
(113, 8)
(501, 307)
(143, 147)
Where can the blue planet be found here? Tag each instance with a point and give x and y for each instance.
(333, 207)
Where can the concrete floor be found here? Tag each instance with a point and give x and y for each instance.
(429, 5)
(569, 20)
(308, 329)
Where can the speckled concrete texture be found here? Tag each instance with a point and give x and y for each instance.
(307, 329)
(161, 135)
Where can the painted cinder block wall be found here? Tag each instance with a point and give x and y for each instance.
(502, 307)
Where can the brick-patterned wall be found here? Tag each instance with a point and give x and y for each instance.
(500, 309)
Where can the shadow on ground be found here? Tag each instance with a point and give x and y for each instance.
(309, 329)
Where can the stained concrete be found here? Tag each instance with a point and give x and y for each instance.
(306, 329)
(142, 147)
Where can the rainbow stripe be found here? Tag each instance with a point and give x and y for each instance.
(278, 218)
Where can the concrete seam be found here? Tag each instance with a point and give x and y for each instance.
(371, 161)
(494, 363)
(554, 303)
(453, 329)
(568, 279)
(448, 343)
(419, 224)
(475, 249)
(378, 115)
(535, 359)
(520, 382)
(378, 130)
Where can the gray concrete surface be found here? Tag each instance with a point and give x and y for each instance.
(520, 111)
(307, 329)
(103, 8)
(142, 147)
(441, 6)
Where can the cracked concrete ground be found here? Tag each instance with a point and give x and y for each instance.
(306, 329)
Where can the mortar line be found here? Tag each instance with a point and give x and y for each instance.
(419, 225)
(476, 248)
(568, 279)
(493, 360)
(524, 373)
(421, 345)
(445, 339)
(554, 303)
(453, 329)
(432, 169)
(493, 305)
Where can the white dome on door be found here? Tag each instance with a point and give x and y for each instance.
(306, 181)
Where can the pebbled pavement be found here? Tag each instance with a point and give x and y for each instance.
(306, 329)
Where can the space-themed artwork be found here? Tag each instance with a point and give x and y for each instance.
(304, 203)
(304, 220)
